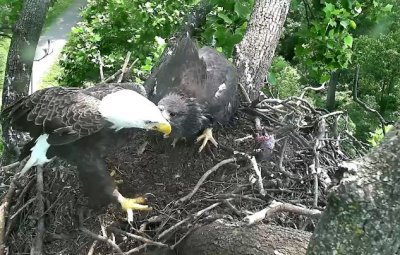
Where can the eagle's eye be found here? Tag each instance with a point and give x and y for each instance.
(172, 114)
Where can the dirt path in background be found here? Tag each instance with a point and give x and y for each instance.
(57, 35)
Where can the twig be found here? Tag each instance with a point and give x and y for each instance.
(275, 207)
(92, 247)
(112, 77)
(37, 248)
(253, 162)
(23, 207)
(47, 51)
(137, 249)
(204, 177)
(243, 138)
(306, 89)
(128, 56)
(193, 216)
(232, 207)
(316, 166)
(364, 105)
(102, 239)
(138, 238)
(181, 239)
(5, 206)
(97, 237)
(10, 166)
(281, 168)
(331, 114)
(101, 67)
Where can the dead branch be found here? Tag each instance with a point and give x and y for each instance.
(47, 51)
(306, 89)
(137, 249)
(5, 206)
(128, 56)
(204, 177)
(10, 166)
(254, 164)
(281, 168)
(30, 201)
(119, 72)
(138, 238)
(195, 216)
(102, 239)
(37, 247)
(364, 105)
(92, 247)
(101, 67)
(275, 207)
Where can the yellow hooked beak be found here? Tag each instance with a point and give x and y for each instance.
(163, 127)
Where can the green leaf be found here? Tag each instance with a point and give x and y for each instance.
(271, 78)
(242, 10)
(329, 8)
(225, 18)
(388, 8)
(348, 41)
(344, 23)
(324, 78)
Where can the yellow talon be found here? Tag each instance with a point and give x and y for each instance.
(206, 136)
(135, 204)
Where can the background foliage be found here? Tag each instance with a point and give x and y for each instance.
(320, 37)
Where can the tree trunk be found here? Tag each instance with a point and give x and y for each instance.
(255, 52)
(226, 238)
(331, 95)
(362, 216)
(25, 37)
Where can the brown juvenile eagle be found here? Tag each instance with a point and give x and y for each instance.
(81, 125)
(195, 89)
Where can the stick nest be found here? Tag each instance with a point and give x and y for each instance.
(305, 163)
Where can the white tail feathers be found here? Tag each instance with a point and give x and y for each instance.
(38, 155)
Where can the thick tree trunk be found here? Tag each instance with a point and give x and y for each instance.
(255, 52)
(362, 216)
(226, 238)
(25, 37)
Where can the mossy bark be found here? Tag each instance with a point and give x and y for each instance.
(363, 213)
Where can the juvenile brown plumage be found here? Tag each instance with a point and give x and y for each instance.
(196, 90)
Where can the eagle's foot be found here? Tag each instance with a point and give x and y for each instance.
(137, 204)
(206, 136)
(131, 204)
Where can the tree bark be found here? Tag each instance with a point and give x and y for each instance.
(221, 237)
(25, 38)
(362, 216)
(255, 52)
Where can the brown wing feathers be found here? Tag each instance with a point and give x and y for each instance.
(65, 114)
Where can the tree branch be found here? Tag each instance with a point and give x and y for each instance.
(364, 105)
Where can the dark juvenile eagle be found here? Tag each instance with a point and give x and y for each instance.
(81, 125)
(195, 90)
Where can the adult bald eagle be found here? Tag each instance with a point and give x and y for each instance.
(195, 90)
(81, 125)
